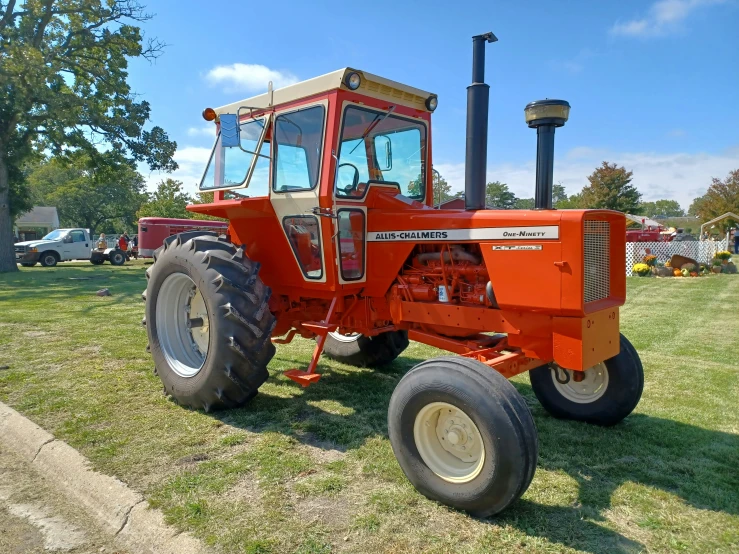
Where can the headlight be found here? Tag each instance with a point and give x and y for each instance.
(431, 103)
(353, 80)
(33, 249)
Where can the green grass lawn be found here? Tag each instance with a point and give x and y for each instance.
(311, 470)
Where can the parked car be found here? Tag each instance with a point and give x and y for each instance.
(63, 245)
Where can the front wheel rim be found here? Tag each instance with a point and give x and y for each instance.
(182, 325)
(592, 386)
(351, 337)
(449, 442)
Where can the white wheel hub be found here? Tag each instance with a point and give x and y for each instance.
(351, 337)
(582, 387)
(449, 442)
(182, 325)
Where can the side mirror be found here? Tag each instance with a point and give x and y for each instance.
(347, 176)
(230, 130)
(384, 152)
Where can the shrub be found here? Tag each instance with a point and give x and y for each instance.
(715, 262)
(723, 255)
(642, 270)
(650, 259)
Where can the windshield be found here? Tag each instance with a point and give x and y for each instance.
(55, 235)
(384, 148)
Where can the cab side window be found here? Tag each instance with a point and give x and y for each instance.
(78, 236)
(297, 140)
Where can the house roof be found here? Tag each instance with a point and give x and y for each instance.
(39, 215)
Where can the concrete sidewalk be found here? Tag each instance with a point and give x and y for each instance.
(84, 507)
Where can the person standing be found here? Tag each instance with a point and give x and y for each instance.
(736, 240)
(102, 243)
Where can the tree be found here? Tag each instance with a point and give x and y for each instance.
(63, 72)
(91, 192)
(662, 208)
(721, 197)
(442, 189)
(497, 195)
(167, 201)
(524, 204)
(610, 188)
(572, 202)
(559, 195)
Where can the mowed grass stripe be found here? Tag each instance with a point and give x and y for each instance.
(311, 470)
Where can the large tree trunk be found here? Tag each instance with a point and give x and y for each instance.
(7, 252)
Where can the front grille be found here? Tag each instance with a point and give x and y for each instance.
(597, 260)
(20, 249)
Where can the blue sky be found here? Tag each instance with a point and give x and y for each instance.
(653, 85)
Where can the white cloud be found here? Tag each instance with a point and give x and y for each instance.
(192, 161)
(676, 176)
(576, 64)
(244, 77)
(664, 17)
(677, 133)
(207, 130)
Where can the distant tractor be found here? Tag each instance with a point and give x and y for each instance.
(333, 237)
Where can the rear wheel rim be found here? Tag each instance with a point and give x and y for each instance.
(591, 388)
(351, 337)
(449, 442)
(182, 324)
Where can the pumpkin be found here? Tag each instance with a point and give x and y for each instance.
(694, 274)
(677, 273)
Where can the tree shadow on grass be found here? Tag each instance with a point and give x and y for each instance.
(696, 464)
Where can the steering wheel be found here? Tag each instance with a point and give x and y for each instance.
(349, 189)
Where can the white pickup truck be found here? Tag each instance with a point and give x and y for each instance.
(62, 245)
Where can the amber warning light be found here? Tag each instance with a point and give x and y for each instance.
(209, 114)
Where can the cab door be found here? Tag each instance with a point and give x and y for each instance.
(80, 247)
(378, 147)
(298, 135)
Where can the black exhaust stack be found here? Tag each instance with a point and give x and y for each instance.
(545, 116)
(478, 95)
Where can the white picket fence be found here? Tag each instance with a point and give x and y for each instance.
(701, 251)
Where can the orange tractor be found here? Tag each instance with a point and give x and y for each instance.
(327, 185)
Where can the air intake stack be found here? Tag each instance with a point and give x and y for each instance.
(478, 96)
(545, 116)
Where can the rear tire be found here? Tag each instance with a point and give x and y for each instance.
(28, 264)
(608, 393)
(465, 398)
(218, 359)
(362, 351)
(117, 257)
(49, 259)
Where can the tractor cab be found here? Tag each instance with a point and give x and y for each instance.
(300, 164)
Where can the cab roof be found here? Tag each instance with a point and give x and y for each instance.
(371, 85)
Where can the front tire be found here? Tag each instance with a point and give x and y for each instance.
(49, 259)
(208, 322)
(362, 351)
(117, 257)
(29, 264)
(463, 435)
(606, 394)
